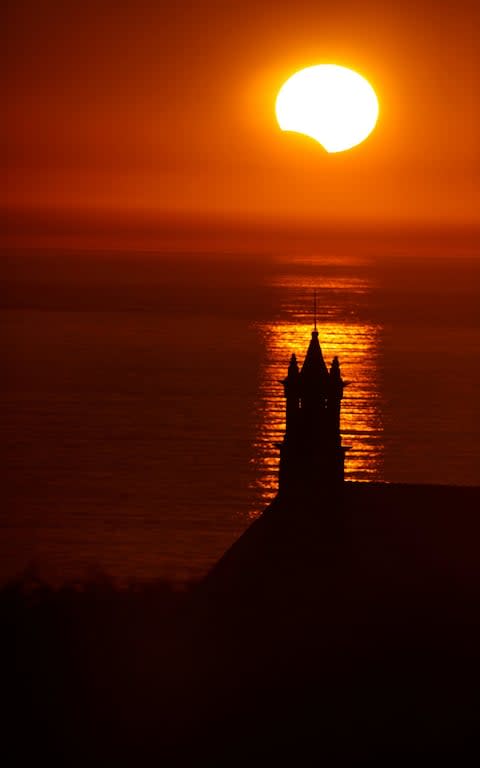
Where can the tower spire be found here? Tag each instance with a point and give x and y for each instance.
(314, 309)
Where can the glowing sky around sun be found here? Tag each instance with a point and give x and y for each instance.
(141, 108)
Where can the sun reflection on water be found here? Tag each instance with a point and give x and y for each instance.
(340, 333)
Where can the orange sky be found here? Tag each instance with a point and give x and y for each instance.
(161, 110)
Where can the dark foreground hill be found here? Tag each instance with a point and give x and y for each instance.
(340, 630)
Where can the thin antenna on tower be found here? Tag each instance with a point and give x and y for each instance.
(315, 309)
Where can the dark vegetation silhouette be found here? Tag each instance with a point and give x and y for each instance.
(347, 633)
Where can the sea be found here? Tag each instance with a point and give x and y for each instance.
(142, 400)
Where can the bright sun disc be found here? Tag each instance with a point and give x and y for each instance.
(333, 105)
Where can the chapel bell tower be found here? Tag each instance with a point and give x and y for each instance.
(311, 454)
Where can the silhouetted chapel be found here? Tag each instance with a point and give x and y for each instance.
(311, 454)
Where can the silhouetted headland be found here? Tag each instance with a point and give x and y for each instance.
(352, 607)
(342, 627)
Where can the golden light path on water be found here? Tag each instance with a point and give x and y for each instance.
(356, 344)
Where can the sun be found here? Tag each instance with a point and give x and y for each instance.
(333, 105)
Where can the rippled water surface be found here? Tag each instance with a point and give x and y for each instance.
(142, 399)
